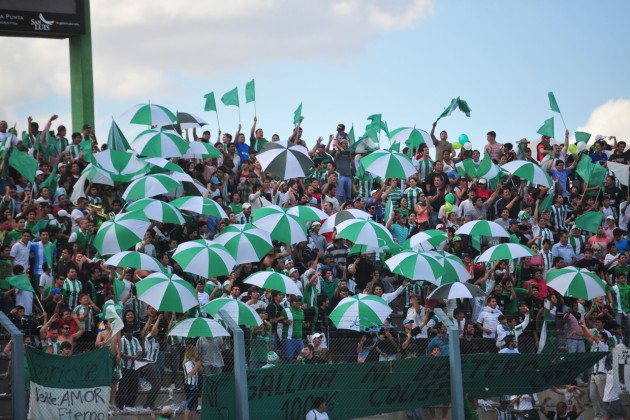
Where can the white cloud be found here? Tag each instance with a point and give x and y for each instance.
(610, 119)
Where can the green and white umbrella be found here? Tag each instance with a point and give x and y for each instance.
(507, 251)
(149, 114)
(307, 213)
(529, 171)
(150, 186)
(359, 312)
(388, 164)
(160, 143)
(281, 226)
(410, 136)
(415, 265)
(358, 249)
(576, 282)
(457, 291)
(185, 121)
(119, 166)
(285, 159)
(274, 281)
(204, 258)
(246, 243)
(453, 268)
(157, 210)
(137, 260)
(121, 232)
(167, 292)
(201, 205)
(198, 327)
(341, 216)
(482, 228)
(364, 232)
(201, 150)
(239, 311)
(164, 164)
(116, 139)
(427, 240)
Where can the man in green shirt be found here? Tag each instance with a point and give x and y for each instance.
(290, 330)
(621, 300)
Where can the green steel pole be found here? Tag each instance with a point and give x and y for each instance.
(455, 364)
(81, 78)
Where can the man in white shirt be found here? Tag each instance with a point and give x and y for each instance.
(487, 322)
(21, 250)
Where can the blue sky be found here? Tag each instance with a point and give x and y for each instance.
(345, 60)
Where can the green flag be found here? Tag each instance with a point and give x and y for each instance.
(211, 104)
(86, 148)
(351, 134)
(548, 201)
(39, 226)
(119, 288)
(384, 127)
(50, 182)
(547, 128)
(553, 104)
(592, 173)
(582, 136)
(463, 106)
(26, 140)
(21, 282)
(230, 98)
(590, 221)
(250, 92)
(23, 163)
(456, 103)
(297, 114)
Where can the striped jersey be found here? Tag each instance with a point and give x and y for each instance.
(53, 347)
(71, 290)
(559, 215)
(547, 258)
(130, 348)
(81, 311)
(576, 242)
(426, 167)
(294, 329)
(151, 348)
(412, 196)
(189, 366)
(545, 233)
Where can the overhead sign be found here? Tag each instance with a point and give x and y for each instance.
(42, 18)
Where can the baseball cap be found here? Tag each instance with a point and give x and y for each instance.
(407, 321)
(293, 270)
(86, 126)
(315, 224)
(482, 181)
(456, 238)
(55, 291)
(214, 180)
(341, 127)
(60, 164)
(316, 335)
(599, 137)
(62, 213)
(247, 206)
(373, 192)
(610, 218)
(440, 226)
(38, 172)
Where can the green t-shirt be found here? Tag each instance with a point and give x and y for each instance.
(294, 329)
(622, 294)
(260, 346)
(236, 208)
(511, 307)
(13, 236)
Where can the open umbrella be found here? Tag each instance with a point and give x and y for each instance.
(149, 114)
(529, 171)
(281, 226)
(306, 213)
(505, 252)
(198, 327)
(185, 121)
(201, 150)
(119, 166)
(116, 139)
(167, 292)
(332, 221)
(121, 232)
(457, 291)
(150, 186)
(201, 205)
(160, 143)
(246, 243)
(359, 312)
(453, 268)
(388, 164)
(410, 136)
(285, 159)
(165, 164)
(576, 282)
(427, 240)
(274, 281)
(367, 249)
(241, 313)
(157, 210)
(482, 228)
(136, 260)
(204, 258)
(415, 265)
(364, 232)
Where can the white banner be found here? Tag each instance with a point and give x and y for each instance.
(64, 404)
(621, 367)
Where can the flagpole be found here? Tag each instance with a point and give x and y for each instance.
(563, 123)
(40, 303)
(219, 125)
(239, 114)
(255, 109)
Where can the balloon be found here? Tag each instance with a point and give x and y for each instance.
(581, 147)
(467, 146)
(448, 207)
(449, 198)
(457, 145)
(463, 139)
(573, 148)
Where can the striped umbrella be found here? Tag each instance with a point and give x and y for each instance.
(136, 260)
(121, 232)
(204, 258)
(119, 166)
(505, 252)
(201, 150)
(246, 243)
(284, 159)
(457, 291)
(149, 114)
(201, 205)
(157, 210)
(198, 327)
(453, 268)
(281, 226)
(274, 281)
(576, 282)
(427, 240)
(529, 171)
(167, 292)
(150, 186)
(341, 216)
(116, 139)
(364, 232)
(239, 311)
(368, 249)
(410, 136)
(388, 164)
(359, 312)
(415, 265)
(306, 213)
(161, 163)
(482, 228)
(160, 143)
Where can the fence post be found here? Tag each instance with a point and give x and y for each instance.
(18, 389)
(240, 367)
(455, 365)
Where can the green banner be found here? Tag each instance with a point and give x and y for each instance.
(364, 389)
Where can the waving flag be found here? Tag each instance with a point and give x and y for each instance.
(455, 104)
